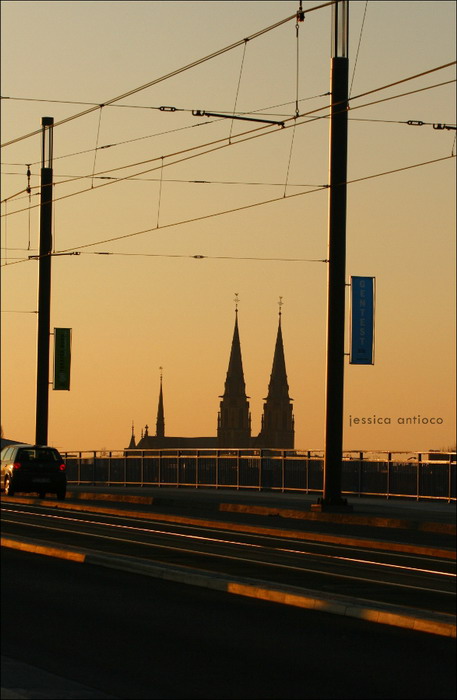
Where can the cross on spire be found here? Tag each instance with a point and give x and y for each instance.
(280, 304)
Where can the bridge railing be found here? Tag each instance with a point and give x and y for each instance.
(387, 474)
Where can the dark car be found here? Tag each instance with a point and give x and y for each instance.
(26, 468)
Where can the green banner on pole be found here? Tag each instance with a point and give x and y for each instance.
(62, 358)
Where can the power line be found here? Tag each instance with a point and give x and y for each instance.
(222, 143)
(160, 108)
(172, 131)
(203, 257)
(409, 122)
(70, 251)
(256, 204)
(398, 82)
(178, 180)
(358, 47)
(172, 74)
(79, 102)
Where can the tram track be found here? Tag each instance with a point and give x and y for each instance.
(419, 581)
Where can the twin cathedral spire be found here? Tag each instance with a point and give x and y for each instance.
(234, 418)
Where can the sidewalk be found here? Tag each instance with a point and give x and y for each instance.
(435, 511)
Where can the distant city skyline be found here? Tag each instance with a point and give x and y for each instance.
(234, 417)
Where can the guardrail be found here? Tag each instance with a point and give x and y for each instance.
(389, 474)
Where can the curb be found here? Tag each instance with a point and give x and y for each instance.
(346, 519)
(394, 615)
(120, 498)
(290, 513)
(287, 513)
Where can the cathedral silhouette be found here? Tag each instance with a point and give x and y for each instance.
(234, 418)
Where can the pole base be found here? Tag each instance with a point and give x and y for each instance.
(331, 505)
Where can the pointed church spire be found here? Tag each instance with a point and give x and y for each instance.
(234, 421)
(278, 387)
(132, 444)
(234, 383)
(160, 423)
(277, 420)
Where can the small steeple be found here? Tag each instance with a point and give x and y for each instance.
(234, 420)
(132, 444)
(160, 423)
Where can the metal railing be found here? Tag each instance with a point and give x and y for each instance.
(387, 474)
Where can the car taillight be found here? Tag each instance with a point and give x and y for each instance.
(62, 467)
(17, 465)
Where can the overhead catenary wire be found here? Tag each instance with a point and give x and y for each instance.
(96, 143)
(222, 143)
(238, 86)
(409, 122)
(186, 181)
(398, 82)
(172, 74)
(171, 109)
(182, 128)
(160, 195)
(358, 47)
(217, 147)
(300, 18)
(70, 251)
(204, 257)
(256, 204)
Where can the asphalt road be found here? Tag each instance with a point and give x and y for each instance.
(131, 636)
(335, 565)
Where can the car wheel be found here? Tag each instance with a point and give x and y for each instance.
(61, 494)
(9, 491)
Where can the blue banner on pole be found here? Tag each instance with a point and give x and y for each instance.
(362, 320)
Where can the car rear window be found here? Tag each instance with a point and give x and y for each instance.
(44, 454)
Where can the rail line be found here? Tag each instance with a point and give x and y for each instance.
(399, 577)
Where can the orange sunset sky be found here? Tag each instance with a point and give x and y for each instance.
(148, 302)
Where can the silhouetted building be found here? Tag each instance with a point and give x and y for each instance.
(277, 419)
(234, 418)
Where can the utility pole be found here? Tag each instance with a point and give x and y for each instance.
(331, 499)
(44, 284)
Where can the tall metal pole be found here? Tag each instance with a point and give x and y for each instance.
(44, 284)
(332, 499)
